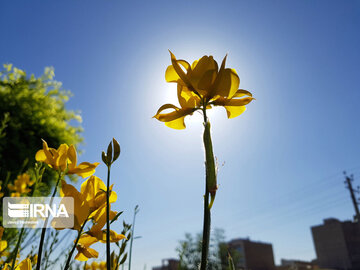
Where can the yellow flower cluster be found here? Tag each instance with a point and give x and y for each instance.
(96, 266)
(202, 85)
(89, 203)
(21, 185)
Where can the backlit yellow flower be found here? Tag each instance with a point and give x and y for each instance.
(202, 85)
(65, 159)
(90, 202)
(90, 238)
(56, 159)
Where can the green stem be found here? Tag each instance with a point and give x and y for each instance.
(75, 244)
(17, 248)
(108, 263)
(43, 232)
(210, 183)
(132, 237)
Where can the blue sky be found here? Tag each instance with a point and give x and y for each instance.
(283, 157)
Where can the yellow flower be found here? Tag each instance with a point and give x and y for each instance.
(84, 250)
(90, 202)
(3, 243)
(65, 159)
(84, 169)
(24, 265)
(56, 159)
(89, 238)
(201, 86)
(101, 236)
(21, 185)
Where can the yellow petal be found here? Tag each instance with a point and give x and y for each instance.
(101, 236)
(61, 161)
(204, 64)
(171, 74)
(85, 253)
(40, 156)
(24, 265)
(169, 117)
(207, 80)
(187, 98)
(241, 93)
(91, 187)
(233, 101)
(3, 245)
(72, 156)
(234, 111)
(179, 70)
(177, 124)
(87, 240)
(84, 169)
(228, 83)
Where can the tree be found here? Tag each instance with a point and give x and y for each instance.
(32, 109)
(189, 251)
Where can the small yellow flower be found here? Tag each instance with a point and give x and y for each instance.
(201, 86)
(3, 243)
(65, 160)
(21, 185)
(24, 265)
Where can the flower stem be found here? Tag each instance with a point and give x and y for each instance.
(75, 244)
(209, 184)
(108, 263)
(132, 235)
(43, 232)
(17, 248)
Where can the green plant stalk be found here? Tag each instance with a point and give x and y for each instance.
(75, 244)
(17, 248)
(132, 238)
(108, 259)
(43, 232)
(210, 183)
(38, 178)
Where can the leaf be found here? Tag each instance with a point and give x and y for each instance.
(116, 149)
(116, 217)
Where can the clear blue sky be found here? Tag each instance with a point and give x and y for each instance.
(283, 157)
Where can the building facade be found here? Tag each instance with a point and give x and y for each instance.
(168, 264)
(337, 244)
(252, 255)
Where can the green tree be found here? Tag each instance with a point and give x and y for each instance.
(32, 109)
(189, 251)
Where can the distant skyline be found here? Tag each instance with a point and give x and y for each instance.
(284, 157)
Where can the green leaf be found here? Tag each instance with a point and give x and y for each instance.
(116, 217)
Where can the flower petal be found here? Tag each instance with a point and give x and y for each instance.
(187, 98)
(177, 123)
(168, 117)
(171, 75)
(234, 111)
(241, 93)
(72, 156)
(84, 169)
(227, 84)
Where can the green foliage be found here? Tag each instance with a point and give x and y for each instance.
(189, 251)
(32, 109)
